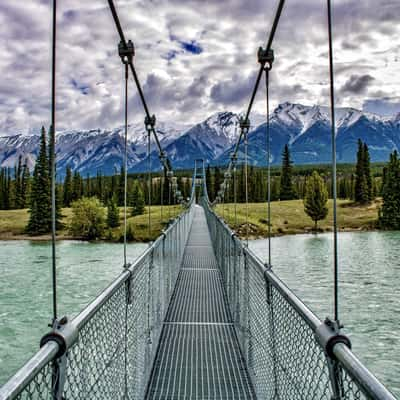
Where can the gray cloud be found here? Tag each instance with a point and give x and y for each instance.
(357, 84)
(187, 86)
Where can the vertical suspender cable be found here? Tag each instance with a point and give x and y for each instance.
(162, 194)
(334, 191)
(53, 156)
(268, 165)
(149, 178)
(246, 187)
(126, 160)
(235, 193)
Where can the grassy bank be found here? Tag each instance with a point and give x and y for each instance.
(288, 217)
(13, 222)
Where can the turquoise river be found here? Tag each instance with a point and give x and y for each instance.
(369, 289)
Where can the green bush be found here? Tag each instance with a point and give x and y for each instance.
(88, 218)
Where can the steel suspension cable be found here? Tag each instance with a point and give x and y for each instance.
(53, 162)
(259, 75)
(149, 178)
(334, 183)
(162, 194)
(126, 162)
(246, 187)
(268, 165)
(135, 76)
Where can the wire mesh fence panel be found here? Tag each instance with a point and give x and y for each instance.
(117, 334)
(39, 388)
(277, 332)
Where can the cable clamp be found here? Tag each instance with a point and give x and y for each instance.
(126, 51)
(150, 122)
(244, 124)
(265, 58)
(64, 333)
(328, 335)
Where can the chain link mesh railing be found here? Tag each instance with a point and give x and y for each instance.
(278, 333)
(117, 334)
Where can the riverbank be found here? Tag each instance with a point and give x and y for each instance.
(289, 218)
(13, 223)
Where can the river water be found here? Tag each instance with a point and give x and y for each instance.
(369, 289)
(84, 270)
(369, 297)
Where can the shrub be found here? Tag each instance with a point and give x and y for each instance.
(88, 218)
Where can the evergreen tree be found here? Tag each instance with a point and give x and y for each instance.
(210, 192)
(67, 192)
(316, 197)
(18, 202)
(137, 200)
(389, 216)
(51, 159)
(217, 181)
(286, 188)
(121, 187)
(367, 172)
(363, 183)
(40, 204)
(77, 189)
(25, 178)
(5, 183)
(112, 214)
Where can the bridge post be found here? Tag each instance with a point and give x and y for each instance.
(65, 334)
(328, 335)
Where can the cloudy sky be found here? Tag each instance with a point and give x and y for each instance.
(193, 57)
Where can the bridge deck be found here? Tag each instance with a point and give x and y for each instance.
(198, 356)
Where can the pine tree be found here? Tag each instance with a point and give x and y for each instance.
(367, 172)
(77, 189)
(67, 192)
(112, 214)
(362, 185)
(51, 159)
(137, 200)
(389, 216)
(210, 192)
(316, 197)
(25, 178)
(40, 204)
(286, 188)
(18, 202)
(217, 181)
(121, 187)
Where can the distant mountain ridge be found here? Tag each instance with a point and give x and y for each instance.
(305, 128)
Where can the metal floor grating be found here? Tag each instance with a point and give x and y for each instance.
(198, 297)
(198, 355)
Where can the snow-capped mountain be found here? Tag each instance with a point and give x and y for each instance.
(305, 128)
(206, 140)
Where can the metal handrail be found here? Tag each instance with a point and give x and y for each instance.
(49, 351)
(359, 375)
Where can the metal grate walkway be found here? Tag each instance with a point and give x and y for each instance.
(198, 355)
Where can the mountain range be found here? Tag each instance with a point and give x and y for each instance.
(305, 128)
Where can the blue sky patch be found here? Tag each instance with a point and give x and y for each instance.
(84, 89)
(192, 47)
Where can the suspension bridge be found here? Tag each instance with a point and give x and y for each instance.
(197, 315)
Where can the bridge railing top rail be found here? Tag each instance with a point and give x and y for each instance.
(38, 372)
(357, 381)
